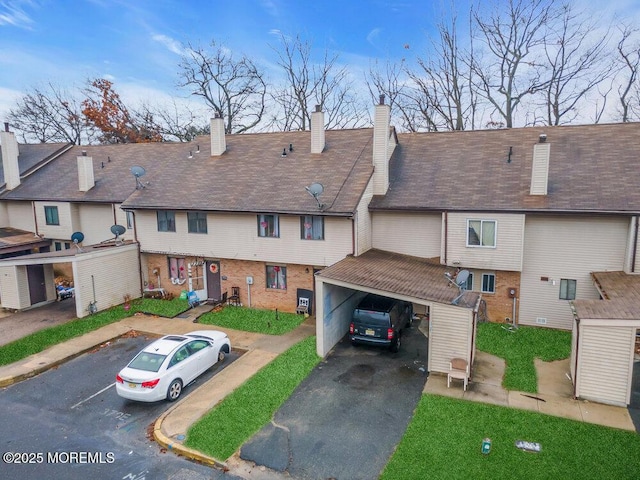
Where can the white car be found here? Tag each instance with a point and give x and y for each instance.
(165, 366)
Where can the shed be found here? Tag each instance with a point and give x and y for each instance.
(103, 274)
(604, 337)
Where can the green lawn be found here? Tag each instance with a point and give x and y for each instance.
(519, 347)
(43, 339)
(253, 320)
(247, 409)
(445, 435)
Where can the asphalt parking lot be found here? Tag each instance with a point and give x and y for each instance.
(348, 415)
(74, 410)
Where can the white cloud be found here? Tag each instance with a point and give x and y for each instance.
(171, 44)
(12, 13)
(8, 99)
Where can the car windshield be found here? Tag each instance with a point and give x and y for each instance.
(149, 362)
(370, 317)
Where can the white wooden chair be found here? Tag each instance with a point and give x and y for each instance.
(458, 370)
(303, 306)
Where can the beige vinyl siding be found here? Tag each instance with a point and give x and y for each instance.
(14, 285)
(450, 335)
(110, 284)
(20, 215)
(67, 217)
(605, 376)
(540, 169)
(236, 236)
(121, 219)
(4, 215)
(363, 216)
(508, 252)
(416, 234)
(95, 222)
(569, 248)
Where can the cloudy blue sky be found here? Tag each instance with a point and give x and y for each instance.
(136, 43)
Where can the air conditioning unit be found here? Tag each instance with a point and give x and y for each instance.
(541, 321)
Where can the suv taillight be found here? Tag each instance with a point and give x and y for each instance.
(390, 333)
(351, 329)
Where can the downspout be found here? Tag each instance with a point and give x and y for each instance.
(575, 367)
(635, 247)
(446, 228)
(113, 210)
(35, 217)
(353, 234)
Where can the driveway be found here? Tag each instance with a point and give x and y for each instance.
(26, 322)
(348, 415)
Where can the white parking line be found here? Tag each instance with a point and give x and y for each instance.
(94, 395)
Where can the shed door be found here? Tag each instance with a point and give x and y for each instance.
(213, 281)
(37, 289)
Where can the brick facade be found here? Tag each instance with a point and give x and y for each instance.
(499, 305)
(234, 273)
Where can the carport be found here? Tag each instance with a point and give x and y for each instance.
(103, 274)
(452, 327)
(605, 340)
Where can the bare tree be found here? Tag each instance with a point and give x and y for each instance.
(308, 84)
(174, 122)
(388, 80)
(441, 90)
(576, 66)
(629, 57)
(514, 67)
(234, 88)
(50, 114)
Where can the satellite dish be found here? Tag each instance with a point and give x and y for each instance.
(461, 278)
(76, 238)
(118, 230)
(315, 189)
(138, 172)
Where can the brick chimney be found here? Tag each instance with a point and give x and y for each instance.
(540, 166)
(9, 148)
(382, 147)
(218, 140)
(317, 130)
(85, 173)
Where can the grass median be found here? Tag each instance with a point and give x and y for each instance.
(252, 405)
(519, 347)
(43, 339)
(271, 322)
(445, 436)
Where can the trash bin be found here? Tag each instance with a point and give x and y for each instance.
(183, 295)
(193, 299)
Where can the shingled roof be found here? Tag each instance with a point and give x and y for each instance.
(31, 156)
(592, 168)
(251, 175)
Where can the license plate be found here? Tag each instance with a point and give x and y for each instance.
(370, 332)
(132, 385)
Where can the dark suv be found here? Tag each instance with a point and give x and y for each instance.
(379, 321)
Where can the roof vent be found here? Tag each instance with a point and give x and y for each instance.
(542, 138)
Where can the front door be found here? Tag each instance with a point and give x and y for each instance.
(213, 281)
(37, 290)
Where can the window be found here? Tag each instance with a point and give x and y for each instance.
(311, 227)
(277, 277)
(481, 233)
(129, 220)
(469, 284)
(177, 270)
(488, 283)
(197, 222)
(166, 221)
(51, 215)
(57, 246)
(268, 226)
(567, 289)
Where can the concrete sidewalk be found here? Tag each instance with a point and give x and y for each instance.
(554, 397)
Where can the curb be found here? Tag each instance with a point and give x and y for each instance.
(180, 449)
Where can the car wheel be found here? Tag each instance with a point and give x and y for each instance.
(174, 391)
(221, 355)
(395, 345)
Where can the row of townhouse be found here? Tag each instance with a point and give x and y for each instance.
(529, 213)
